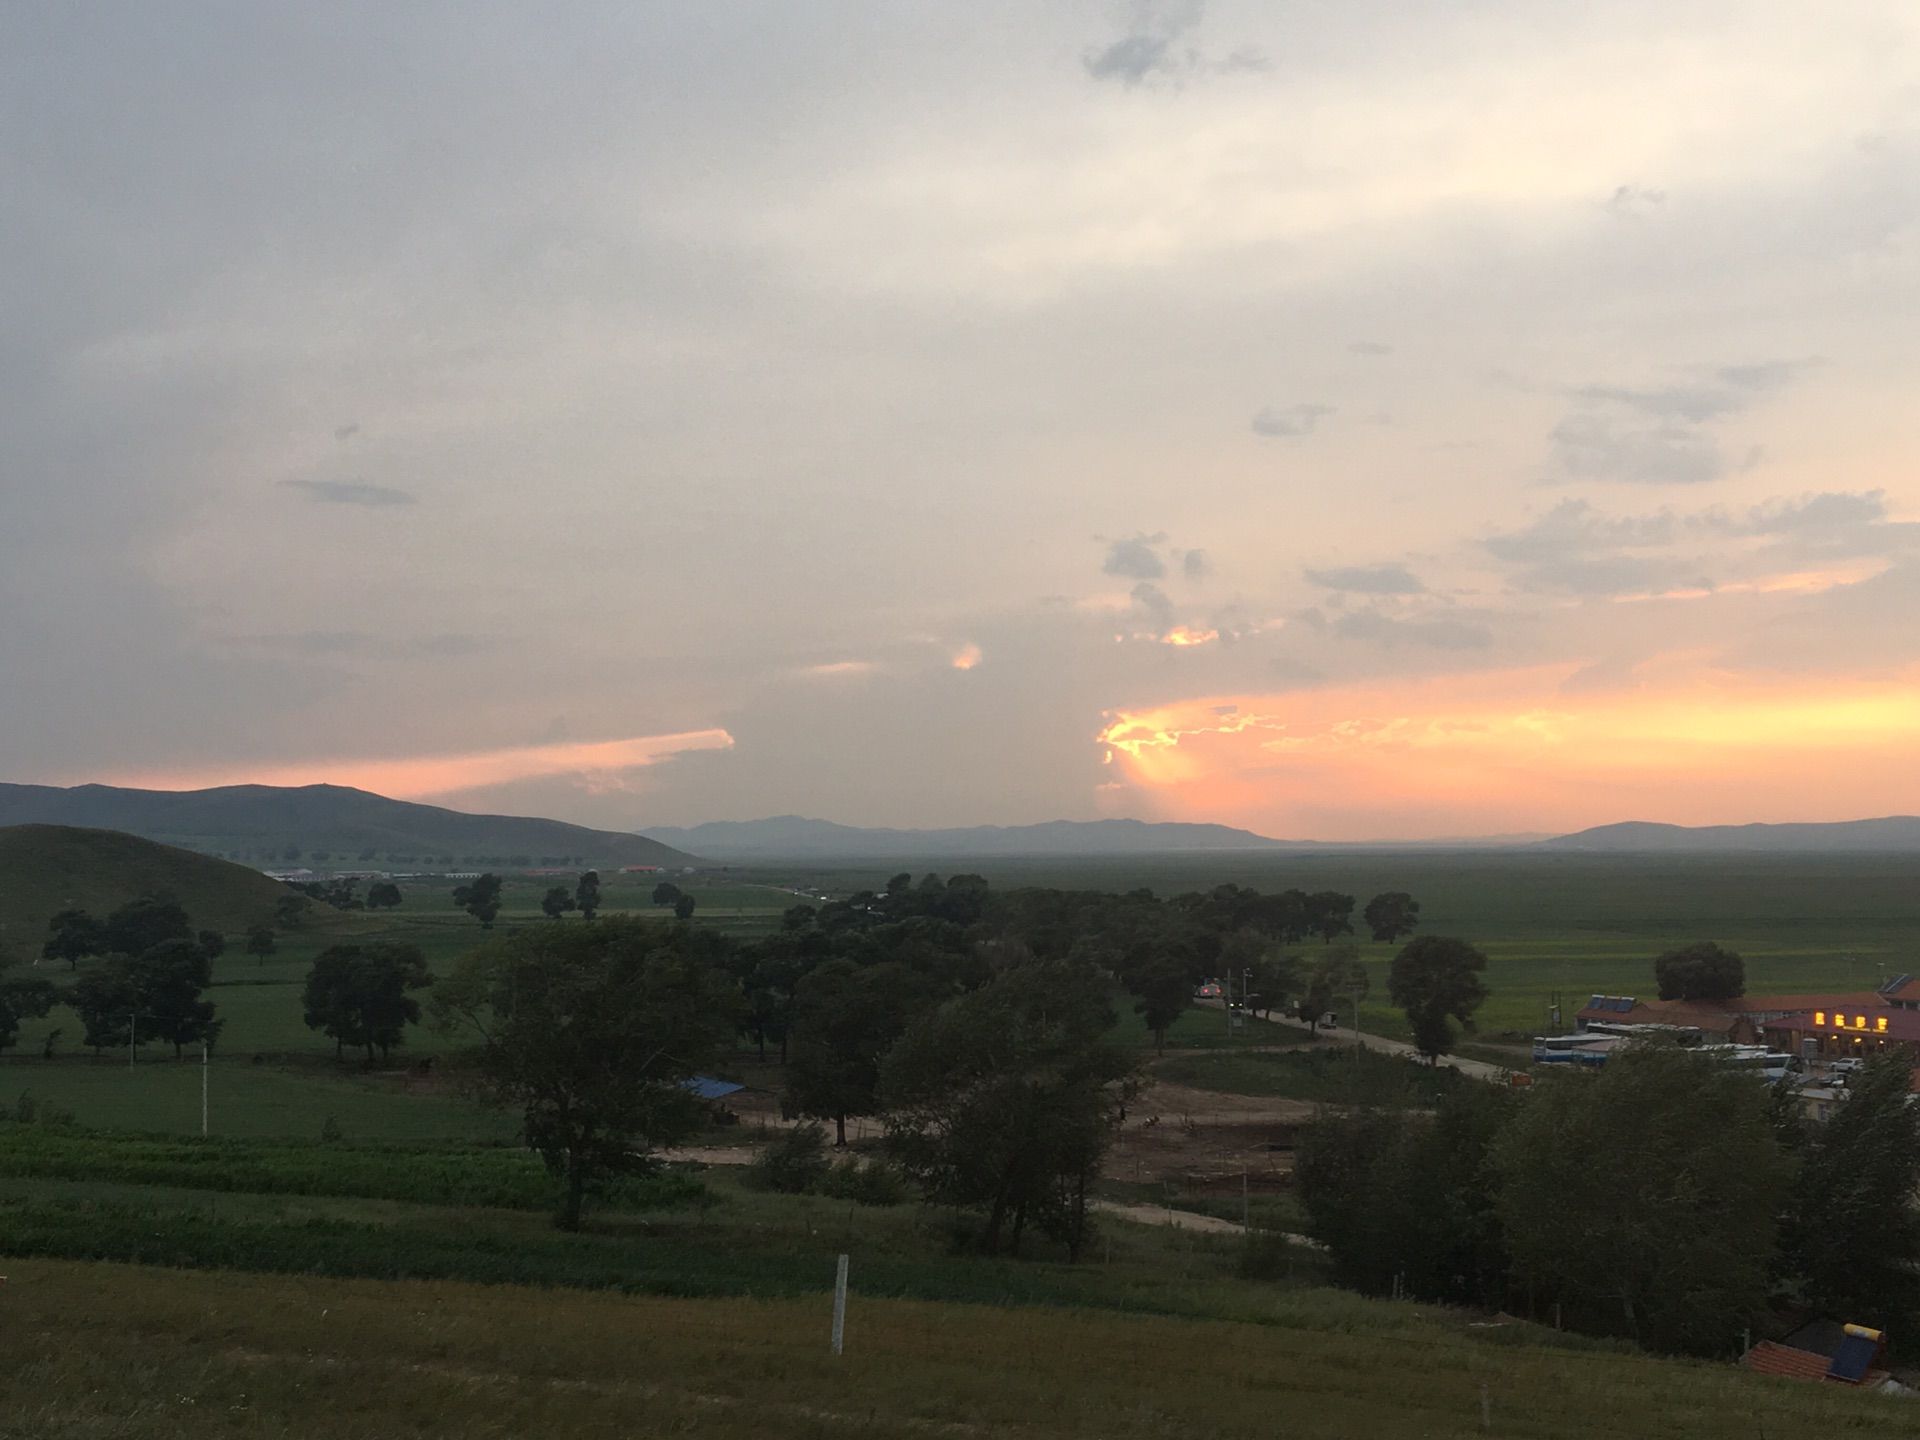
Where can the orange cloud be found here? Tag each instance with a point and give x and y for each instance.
(967, 656)
(1514, 751)
(412, 777)
(1184, 635)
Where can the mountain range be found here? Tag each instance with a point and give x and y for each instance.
(1899, 833)
(324, 825)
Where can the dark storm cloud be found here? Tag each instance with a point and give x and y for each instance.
(350, 492)
(1136, 559)
(1369, 579)
(1277, 421)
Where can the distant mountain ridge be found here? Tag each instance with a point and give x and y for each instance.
(794, 837)
(266, 824)
(1891, 833)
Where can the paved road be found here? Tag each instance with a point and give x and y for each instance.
(1479, 1069)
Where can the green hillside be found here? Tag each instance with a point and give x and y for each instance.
(46, 868)
(322, 825)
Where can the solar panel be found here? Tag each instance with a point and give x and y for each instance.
(1852, 1358)
(1893, 985)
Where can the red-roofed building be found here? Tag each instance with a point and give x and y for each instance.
(1742, 1020)
(1846, 1032)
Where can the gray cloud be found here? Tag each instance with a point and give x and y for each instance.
(1369, 579)
(1157, 47)
(350, 492)
(1275, 421)
(1439, 633)
(1136, 559)
(1574, 527)
(1195, 565)
(1629, 202)
(1602, 447)
(1152, 604)
(1371, 348)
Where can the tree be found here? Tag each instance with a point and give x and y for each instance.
(103, 997)
(1391, 915)
(213, 942)
(683, 908)
(1671, 1250)
(167, 982)
(586, 895)
(260, 942)
(383, 895)
(1329, 915)
(592, 1031)
(1276, 980)
(1004, 1100)
(844, 1018)
(1163, 991)
(1436, 980)
(290, 911)
(1407, 1202)
(1337, 977)
(666, 893)
(1701, 971)
(361, 995)
(1851, 1240)
(76, 935)
(21, 998)
(557, 902)
(139, 925)
(480, 899)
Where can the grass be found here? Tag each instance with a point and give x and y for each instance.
(104, 1350)
(1325, 1074)
(47, 868)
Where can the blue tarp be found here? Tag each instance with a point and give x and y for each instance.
(708, 1088)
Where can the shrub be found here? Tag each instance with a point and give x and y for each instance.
(794, 1164)
(871, 1183)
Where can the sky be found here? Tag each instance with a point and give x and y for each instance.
(1343, 418)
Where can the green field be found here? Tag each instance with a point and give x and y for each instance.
(114, 1350)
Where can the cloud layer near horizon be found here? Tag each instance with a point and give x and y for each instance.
(913, 397)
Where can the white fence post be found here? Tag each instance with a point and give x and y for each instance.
(840, 1305)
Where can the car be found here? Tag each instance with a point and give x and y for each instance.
(1208, 991)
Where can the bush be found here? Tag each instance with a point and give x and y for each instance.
(873, 1183)
(794, 1164)
(1265, 1255)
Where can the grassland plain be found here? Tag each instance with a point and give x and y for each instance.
(99, 1350)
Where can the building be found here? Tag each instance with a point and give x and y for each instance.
(1743, 1020)
(1847, 1032)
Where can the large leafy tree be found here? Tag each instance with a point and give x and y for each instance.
(480, 898)
(361, 995)
(592, 1030)
(1005, 1099)
(1406, 1201)
(1338, 978)
(1701, 971)
(168, 981)
(1436, 981)
(383, 895)
(1163, 992)
(141, 924)
(557, 902)
(1391, 915)
(844, 1019)
(586, 895)
(22, 997)
(75, 935)
(1851, 1242)
(1646, 1198)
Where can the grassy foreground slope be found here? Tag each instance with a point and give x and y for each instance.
(110, 1350)
(47, 868)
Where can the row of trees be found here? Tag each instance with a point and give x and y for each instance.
(149, 985)
(1669, 1199)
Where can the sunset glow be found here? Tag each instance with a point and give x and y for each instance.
(601, 763)
(1515, 749)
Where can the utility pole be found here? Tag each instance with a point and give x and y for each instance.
(132, 1015)
(203, 1089)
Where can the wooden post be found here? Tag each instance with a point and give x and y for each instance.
(1486, 1408)
(203, 1089)
(840, 1306)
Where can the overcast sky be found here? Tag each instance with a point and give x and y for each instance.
(1351, 418)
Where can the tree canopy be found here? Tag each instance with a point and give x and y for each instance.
(360, 994)
(592, 1030)
(480, 898)
(1701, 971)
(1436, 981)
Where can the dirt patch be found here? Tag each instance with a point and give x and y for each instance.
(1206, 1141)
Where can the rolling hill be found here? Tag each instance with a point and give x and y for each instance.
(318, 824)
(1893, 833)
(46, 868)
(793, 837)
